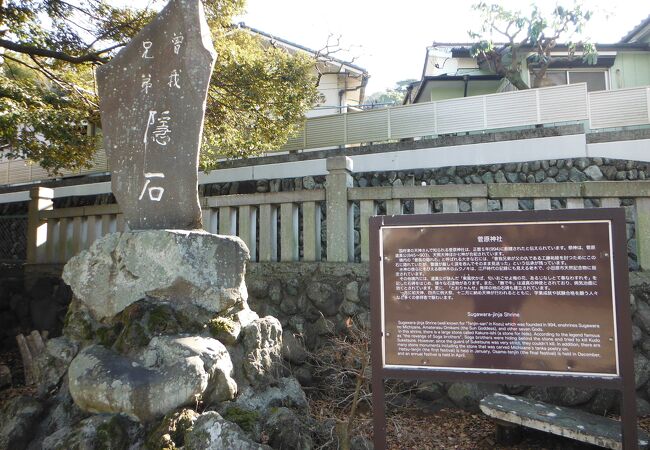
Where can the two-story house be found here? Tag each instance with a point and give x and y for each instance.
(341, 84)
(450, 71)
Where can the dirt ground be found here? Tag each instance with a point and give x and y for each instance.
(407, 428)
(455, 429)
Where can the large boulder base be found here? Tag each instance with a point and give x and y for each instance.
(18, 419)
(213, 432)
(182, 267)
(102, 431)
(171, 372)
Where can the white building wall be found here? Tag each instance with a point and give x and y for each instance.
(329, 88)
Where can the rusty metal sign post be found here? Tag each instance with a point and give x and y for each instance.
(525, 297)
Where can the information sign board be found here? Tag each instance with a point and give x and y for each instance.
(510, 296)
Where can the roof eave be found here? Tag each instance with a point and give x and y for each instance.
(343, 64)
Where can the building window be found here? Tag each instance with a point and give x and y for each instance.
(596, 79)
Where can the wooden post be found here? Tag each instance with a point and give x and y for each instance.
(40, 200)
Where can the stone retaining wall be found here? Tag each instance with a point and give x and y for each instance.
(314, 300)
(544, 171)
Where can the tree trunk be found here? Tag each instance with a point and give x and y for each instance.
(517, 81)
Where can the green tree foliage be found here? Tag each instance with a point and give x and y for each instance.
(529, 35)
(393, 96)
(50, 48)
(258, 96)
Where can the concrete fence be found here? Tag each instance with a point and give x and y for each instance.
(287, 226)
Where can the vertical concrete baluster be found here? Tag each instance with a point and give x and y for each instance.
(268, 232)
(575, 203)
(394, 207)
(62, 247)
(227, 220)
(643, 231)
(368, 209)
(479, 204)
(449, 205)
(610, 202)
(91, 234)
(311, 235)
(510, 204)
(289, 232)
(421, 206)
(247, 221)
(340, 240)
(37, 228)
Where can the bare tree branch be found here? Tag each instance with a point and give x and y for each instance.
(92, 57)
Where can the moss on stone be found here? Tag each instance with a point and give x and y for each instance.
(106, 336)
(244, 418)
(224, 329)
(221, 325)
(111, 435)
(78, 325)
(141, 321)
(161, 318)
(132, 337)
(170, 434)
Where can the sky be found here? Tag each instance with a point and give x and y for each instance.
(389, 39)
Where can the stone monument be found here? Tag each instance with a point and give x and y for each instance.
(159, 322)
(152, 101)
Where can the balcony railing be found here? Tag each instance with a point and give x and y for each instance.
(517, 109)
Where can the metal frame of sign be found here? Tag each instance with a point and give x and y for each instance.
(623, 382)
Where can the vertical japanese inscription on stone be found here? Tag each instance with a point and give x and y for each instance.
(153, 96)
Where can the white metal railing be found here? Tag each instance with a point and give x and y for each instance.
(619, 108)
(21, 171)
(482, 112)
(551, 105)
